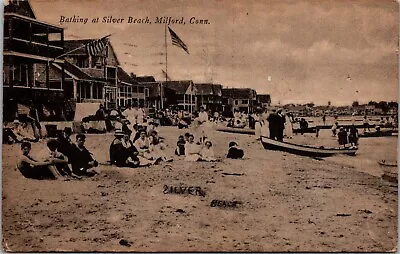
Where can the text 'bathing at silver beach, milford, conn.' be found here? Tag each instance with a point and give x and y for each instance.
(136, 20)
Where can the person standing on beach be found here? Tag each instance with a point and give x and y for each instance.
(257, 124)
(366, 123)
(141, 115)
(281, 125)
(131, 115)
(203, 122)
(288, 126)
(273, 120)
(334, 128)
(342, 137)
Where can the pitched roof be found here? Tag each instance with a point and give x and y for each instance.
(154, 88)
(124, 77)
(238, 93)
(76, 71)
(145, 79)
(180, 87)
(94, 73)
(20, 7)
(208, 89)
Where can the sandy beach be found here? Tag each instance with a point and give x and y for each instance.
(285, 202)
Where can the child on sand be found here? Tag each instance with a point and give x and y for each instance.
(234, 151)
(180, 146)
(207, 152)
(31, 168)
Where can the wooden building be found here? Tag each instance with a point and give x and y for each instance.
(242, 99)
(30, 46)
(209, 95)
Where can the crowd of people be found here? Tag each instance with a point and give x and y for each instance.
(134, 145)
(137, 141)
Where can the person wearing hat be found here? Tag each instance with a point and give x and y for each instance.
(157, 147)
(115, 147)
(81, 159)
(234, 151)
(20, 134)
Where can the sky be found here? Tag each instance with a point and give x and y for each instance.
(297, 51)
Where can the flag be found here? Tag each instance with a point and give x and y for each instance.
(177, 41)
(95, 47)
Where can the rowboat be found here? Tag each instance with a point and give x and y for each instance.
(305, 150)
(387, 164)
(247, 131)
(382, 133)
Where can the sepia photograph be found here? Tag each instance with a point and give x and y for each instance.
(200, 126)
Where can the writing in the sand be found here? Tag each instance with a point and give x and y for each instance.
(191, 190)
(224, 203)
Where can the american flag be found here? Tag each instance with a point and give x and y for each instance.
(177, 41)
(95, 47)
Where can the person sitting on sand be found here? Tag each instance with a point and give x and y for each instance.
(65, 144)
(180, 146)
(234, 151)
(142, 144)
(192, 150)
(133, 153)
(17, 134)
(157, 148)
(123, 153)
(187, 135)
(116, 152)
(182, 124)
(31, 168)
(207, 152)
(81, 159)
(59, 160)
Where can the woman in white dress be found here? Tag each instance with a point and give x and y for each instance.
(192, 150)
(257, 125)
(264, 123)
(288, 131)
(142, 144)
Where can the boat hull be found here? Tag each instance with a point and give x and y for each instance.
(247, 131)
(302, 150)
(373, 134)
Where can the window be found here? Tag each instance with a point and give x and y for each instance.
(97, 62)
(7, 74)
(111, 73)
(82, 62)
(236, 102)
(146, 92)
(245, 101)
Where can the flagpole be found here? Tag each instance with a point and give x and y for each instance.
(166, 65)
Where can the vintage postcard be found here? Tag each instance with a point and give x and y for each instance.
(200, 126)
